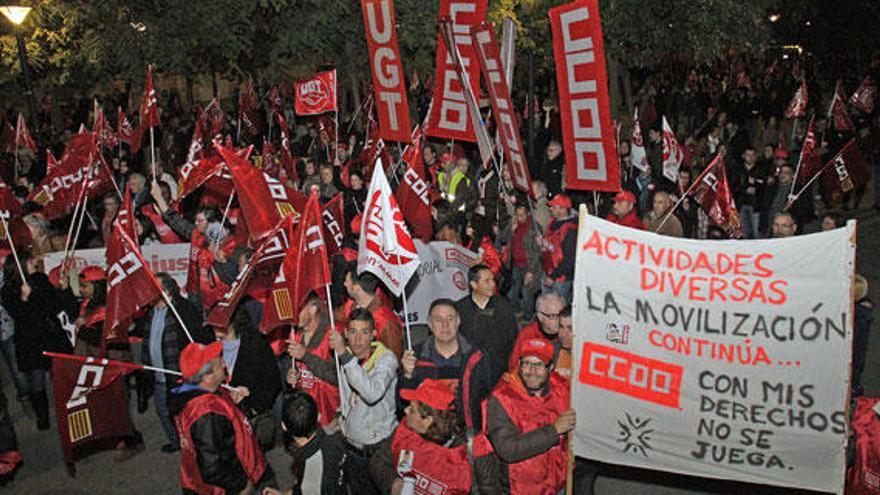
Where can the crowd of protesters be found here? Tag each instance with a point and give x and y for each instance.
(482, 402)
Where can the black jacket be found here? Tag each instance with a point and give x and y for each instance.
(470, 367)
(37, 327)
(492, 329)
(256, 368)
(213, 437)
(173, 338)
(332, 449)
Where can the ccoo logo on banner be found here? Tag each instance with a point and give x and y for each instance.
(722, 359)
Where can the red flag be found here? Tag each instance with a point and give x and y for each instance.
(62, 187)
(837, 111)
(106, 136)
(712, 192)
(587, 135)
(863, 98)
(263, 199)
(90, 404)
(23, 137)
(333, 217)
(165, 233)
(125, 218)
(149, 105)
(415, 203)
(270, 253)
(809, 158)
(303, 270)
(288, 164)
(125, 132)
(316, 95)
(797, 107)
(211, 121)
(389, 85)
(449, 116)
(247, 109)
(846, 171)
(51, 162)
(131, 286)
(10, 210)
(489, 58)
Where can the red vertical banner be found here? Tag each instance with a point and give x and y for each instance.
(449, 117)
(587, 134)
(489, 58)
(388, 76)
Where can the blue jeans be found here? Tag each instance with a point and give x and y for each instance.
(751, 222)
(21, 384)
(160, 397)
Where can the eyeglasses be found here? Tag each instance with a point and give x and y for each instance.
(535, 365)
(550, 316)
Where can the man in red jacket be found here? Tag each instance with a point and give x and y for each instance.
(558, 246)
(527, 416)
(218, 451)
(624, 211)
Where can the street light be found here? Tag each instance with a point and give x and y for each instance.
(17, 15)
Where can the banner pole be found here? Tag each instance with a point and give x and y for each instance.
(226, 210)
(340, 377)
(405, 312)
(683, 196)
(12, 247)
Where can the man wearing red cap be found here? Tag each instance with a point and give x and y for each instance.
(527, 417)
(218, 451)
(624, 211)
(558, 245)
(429, 449)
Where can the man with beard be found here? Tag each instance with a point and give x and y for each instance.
(527, 417)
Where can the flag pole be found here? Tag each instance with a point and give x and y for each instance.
(122, 364)
(683, 196)
(153, 154)
(165, 297)
(12, 247)
(340, 377)
(80, 206)
(792, 198)
(226, 210)
(405, 310)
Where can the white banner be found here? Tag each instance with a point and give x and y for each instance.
(722, 359)
(442, 273)
(170, 258)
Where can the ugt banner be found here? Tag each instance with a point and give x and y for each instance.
(316, 95)
(388, 81)
(722, 359)
(442, 272)
(449, 118)
(587, 134)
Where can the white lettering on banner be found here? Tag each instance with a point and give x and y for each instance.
(442, 273)
(412, 179)
(590, 154)
(186, 169)
(126, 265)
(276, 188)
(89, 377)
(385, 62)
(453, 109)
(333, 227)
(846, 183)
(169, 258)
(313, 238)
(711, 180)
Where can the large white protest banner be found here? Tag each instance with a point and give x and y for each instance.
(170, 258)
(442, 272)
(722, 359)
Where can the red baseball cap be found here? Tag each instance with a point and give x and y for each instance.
(780, 153)
(625, 196)
(432, 393)
(195, 355)
(560, 200)
(540, 348)
(92, 274)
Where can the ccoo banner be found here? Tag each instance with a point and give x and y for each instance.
(721, 359)
(587, 134)
(448, 117)
(442, 273)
